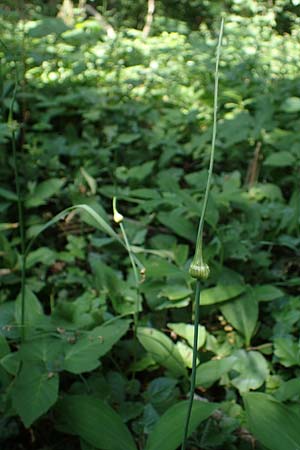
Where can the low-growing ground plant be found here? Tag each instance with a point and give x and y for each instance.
(97, 348)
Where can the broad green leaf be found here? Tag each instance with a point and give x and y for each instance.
(242, 314)
(280, 159)
(42, 255)
(34, 392)
(162, 350)
(266, 293)
(84, 354)
(11, 362)
(94, 421)
(252, 368)
(33, 309)
(220, 293)
(85, 446)
(45, 26)
(186, 353)
(46, 350)
(8, 195)
(167, 434)
(4, 347)
(291, 105)
(287, 351)
(43, 191)
(209, 372)
(160, 391)
(175, 292)
(289, 390)
(187, 332)
(7, 320)
(275, 425)
(177, 222)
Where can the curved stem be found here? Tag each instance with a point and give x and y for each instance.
(193, 376)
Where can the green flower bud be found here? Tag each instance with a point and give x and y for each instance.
(199, 270)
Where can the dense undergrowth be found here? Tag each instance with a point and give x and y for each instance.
(131, 118)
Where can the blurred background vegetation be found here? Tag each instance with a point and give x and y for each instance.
(115, 98)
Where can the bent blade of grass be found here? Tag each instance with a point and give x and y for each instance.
(100, 224)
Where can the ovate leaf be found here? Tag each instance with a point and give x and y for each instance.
(280, 159)
(288, 351)
(94, 421)
(177, 222)
(162, 350)
(252, 368)
(288, 390)
(175, 292)
(291, 105)
(84, 354)
(220, 293)
(209, 372)
(275, 425)
(242, 314)
(43, 192)
(33, 311)
(167, 434)
(266, 293)
(187, 332)
(34, 392)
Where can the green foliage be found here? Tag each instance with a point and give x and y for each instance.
(131, 117)
(94, 421)
(271, 422)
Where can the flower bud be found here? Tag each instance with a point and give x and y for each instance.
(199, 270)
(118, 217)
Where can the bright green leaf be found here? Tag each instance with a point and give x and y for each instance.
(84, 354)
(162, 350)
(280, 159)
(34, 392)
(252, 368)
(187, 332)
(209, 372)
(43, 192)
(167, 434)
(242, 314)
(275, 425)
(220, 293)
(94, 421)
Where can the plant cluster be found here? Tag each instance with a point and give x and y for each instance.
(101, 354)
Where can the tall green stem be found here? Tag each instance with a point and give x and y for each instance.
(118, 218)
(193, 376)
(198, 268)
(136, 276)
(199, 243)
(20, 213)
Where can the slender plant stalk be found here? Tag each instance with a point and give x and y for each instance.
(193, 376)
(198, 268)
(118, 218)
(136, 276)
(199, 242)
(20, 212)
